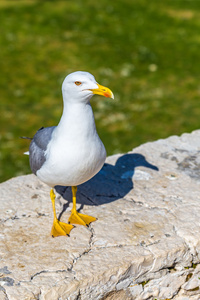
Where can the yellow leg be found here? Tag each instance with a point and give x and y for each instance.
(77, 218)
(58, 228)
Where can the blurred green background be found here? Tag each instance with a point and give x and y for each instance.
(147, 52)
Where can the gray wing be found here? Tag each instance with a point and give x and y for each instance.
(38, 147)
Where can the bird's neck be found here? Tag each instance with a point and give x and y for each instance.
(77, 118)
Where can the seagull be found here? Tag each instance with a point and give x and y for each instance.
(70, 153)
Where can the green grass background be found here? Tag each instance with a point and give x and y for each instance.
(147, 52)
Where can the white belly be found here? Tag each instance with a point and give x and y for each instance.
(72, 163)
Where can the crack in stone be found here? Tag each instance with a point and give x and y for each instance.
(113, 246)
(84, 252)
(88, 198)
(4, 291)
(10, 218)
(78, 297)
(107, 196)
(116, 246)
(38, 273)
(47, 271)
(15, 217)
(76, 259)
(176, 293)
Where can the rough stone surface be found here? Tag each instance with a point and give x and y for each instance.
(144, 245)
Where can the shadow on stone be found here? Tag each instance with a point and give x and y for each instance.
(111, 183)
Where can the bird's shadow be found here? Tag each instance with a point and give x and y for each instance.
(111, 183)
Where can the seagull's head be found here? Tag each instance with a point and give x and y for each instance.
(81, 86)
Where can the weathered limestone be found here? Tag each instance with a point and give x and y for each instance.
(144, 245)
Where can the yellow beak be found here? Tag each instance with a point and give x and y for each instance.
(104, 91)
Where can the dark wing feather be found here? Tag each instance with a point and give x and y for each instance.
(38, 147)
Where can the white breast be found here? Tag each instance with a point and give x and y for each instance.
(75, 153)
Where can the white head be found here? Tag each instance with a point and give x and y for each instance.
(81, 86)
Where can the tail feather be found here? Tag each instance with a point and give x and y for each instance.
(25, 137)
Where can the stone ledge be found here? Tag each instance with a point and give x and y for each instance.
(144, 245)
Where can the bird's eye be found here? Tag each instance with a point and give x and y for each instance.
(77, 83)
